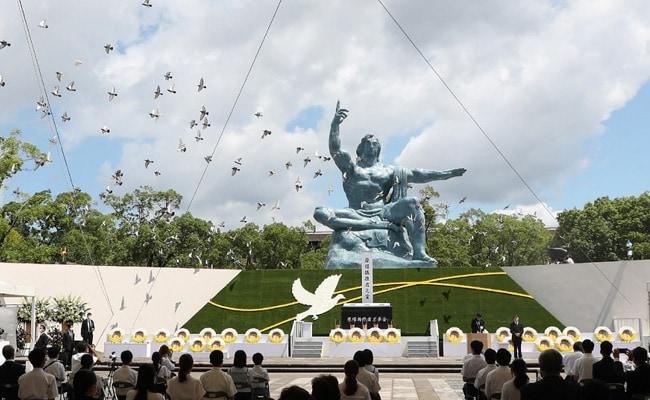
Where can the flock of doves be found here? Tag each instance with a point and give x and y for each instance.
(202, 123)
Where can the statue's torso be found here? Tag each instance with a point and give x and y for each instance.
(364, 184)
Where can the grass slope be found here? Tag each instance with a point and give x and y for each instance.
(413, 307)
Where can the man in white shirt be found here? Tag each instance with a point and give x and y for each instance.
(216, 380)
(82, 348)
(471, 365)
(124, 375)
(37, 384)
(584, 366)
(490, 358)
(500, 375)
(570, 361)
(259, 377)
(53, 366)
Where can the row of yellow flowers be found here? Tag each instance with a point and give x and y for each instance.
(552, 334)
(182, 336)
(358, 335)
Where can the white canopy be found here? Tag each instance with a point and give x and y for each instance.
(8, 290)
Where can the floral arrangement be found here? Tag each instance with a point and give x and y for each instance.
(337, 335)
(43, 311)
(252, 335)
(564, 343)
(392, 335)
(139, 336)
(573, 332)
(176, 344)
(543, 343)
(207, 334)
(69, 308)
(603, 333)
(115, 335)
(161, 336)
(183, 334)
(197, 345)
(455, 335)
(276, 335)
(356, 335)
(503, 335)
(529, 335)
(553, 332)
(627, 334)
(215, 344)
(375, 335)
(229, 335)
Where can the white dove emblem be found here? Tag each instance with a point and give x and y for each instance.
(321, 301)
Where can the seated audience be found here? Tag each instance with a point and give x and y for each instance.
(240, 375)
(10, 371)
(125, 375)
(471, 365)
(495, 379)
(366, 377)
(161, 373)
(551, 386)
(638, 380)
(184, 386)
(511, 390)
(370, 359)
(54, 366)
(37, 384)
(584, 365)
(294, 393)
(259, 377)
(82, 348)
(166, 358)
(325, 387)
(479, 383)
(351, 389)
(216, 380)
(85, 385)
(145, 386)
(607, 369)
(570, 361)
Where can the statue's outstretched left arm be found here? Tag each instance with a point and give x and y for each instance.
(425, 175)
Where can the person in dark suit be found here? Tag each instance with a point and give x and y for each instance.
(516, 331)
(607, 369)
(87, 329)
(10, 371)
(43, 339)
(551, 386)
(68, 343)
(478, 325)
(638, 381)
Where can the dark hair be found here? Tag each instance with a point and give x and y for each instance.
(37, 358)
(325, 387)
(503, 357)
(86, 361)
(478, 315)
(83, 381)
(239, 360)
(606, 348)
(258, 358)
(370, 358)
(588, 345)
(126, 356)
(216, 358)
(550, 362)
(294, 393)
(185, 364)
(53, 352)
(8, 352)
(145, 382)
(490, 356)
(476, 346)
(518, 368)
(81, 347)
(155, 359)
(640, 355)
(351, 369)
(360, 358)
(164, 350)
(577, 346)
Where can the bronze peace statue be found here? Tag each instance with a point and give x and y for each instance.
(380, 218)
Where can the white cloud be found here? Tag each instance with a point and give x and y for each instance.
(540, 77)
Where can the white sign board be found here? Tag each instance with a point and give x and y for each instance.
(366, 278)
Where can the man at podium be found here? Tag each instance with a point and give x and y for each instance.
(478, 325)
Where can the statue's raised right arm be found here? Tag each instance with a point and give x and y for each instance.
(341, 157)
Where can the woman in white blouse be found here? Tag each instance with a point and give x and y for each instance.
(511, 389)
(184, 386)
